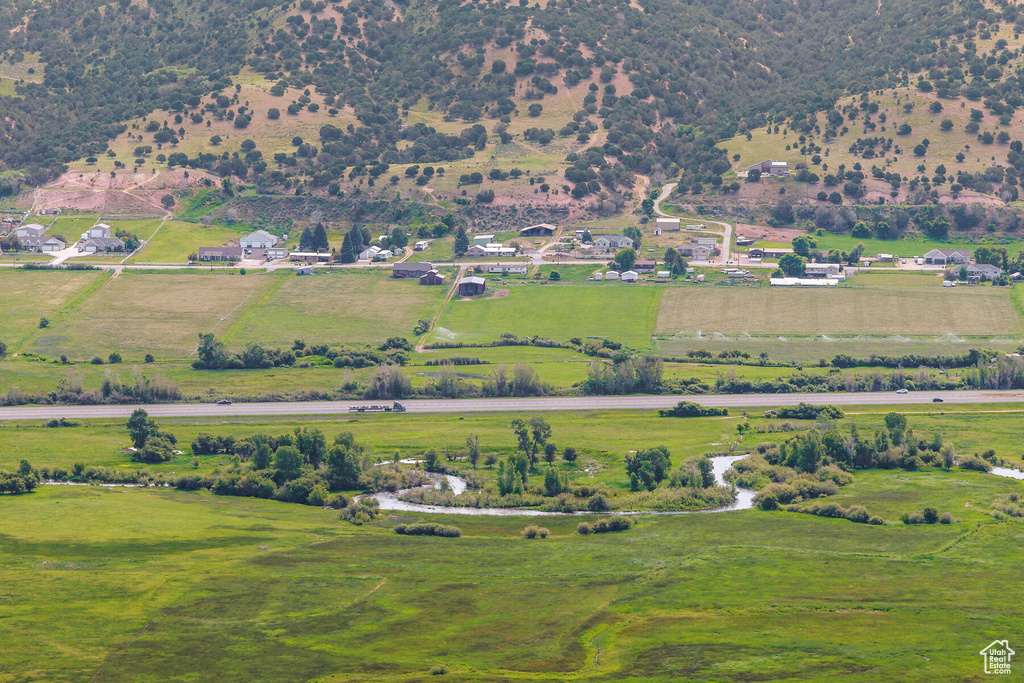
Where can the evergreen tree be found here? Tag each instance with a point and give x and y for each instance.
(306, 240)
(348, 253)
(319, 238)
(358, 243)
(461, 245)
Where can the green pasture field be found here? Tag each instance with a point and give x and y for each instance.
(33, 294)
(907, 247)
(841, 310)
(153, 584)
(341, 306)
(144, 312)
(177, 239)
(620, 312)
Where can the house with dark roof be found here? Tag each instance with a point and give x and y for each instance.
(539, 230)
(221, 253)
(411, 269)
(432, 277)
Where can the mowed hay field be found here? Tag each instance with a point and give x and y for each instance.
(159, 313)
(623, 313)
(30, 295)
(962, 311)
(342, 306)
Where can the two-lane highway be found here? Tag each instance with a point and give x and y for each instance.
(480, 405)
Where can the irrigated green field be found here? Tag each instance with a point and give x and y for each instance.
(153, 585)
(160, 313)
(623, 313)
(175, 240)
(345, 306)
(917, 311)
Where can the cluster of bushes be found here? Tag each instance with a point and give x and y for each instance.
(428, 529)
(533, 531)
(213, 355)
(806, 411)
(604, 526)
(360, 512)
(1009, 506)
(854, 513)
(928, 516)
(691, 409)
(24, 480)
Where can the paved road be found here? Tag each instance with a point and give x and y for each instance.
(514, 404)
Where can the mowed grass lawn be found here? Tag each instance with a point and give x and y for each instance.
(623, 313)
(31, 295)
(842, 310)
(159, 313)
(177, 239)
(339, 307)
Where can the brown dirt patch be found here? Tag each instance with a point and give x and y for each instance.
(771, 234)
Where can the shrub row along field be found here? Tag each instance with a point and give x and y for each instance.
(162, 313)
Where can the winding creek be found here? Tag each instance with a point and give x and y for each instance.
(721, 464)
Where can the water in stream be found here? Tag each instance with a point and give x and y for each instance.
(721, 464)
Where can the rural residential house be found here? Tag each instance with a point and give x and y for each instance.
(490, 250)
(31, 236)
(507, 269)
(411, 269)
(310, 256)
(368, 253)
(472, 286)
(945, 257)
(768, 252)
(612, 242)
(432, 277)
(821, 269)
(101, 244)
(983, 270)
(644, 266)
(695, 252)
(52, 244)
(539, 230)
(260, 239)
(221, 253)
(769, 167)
